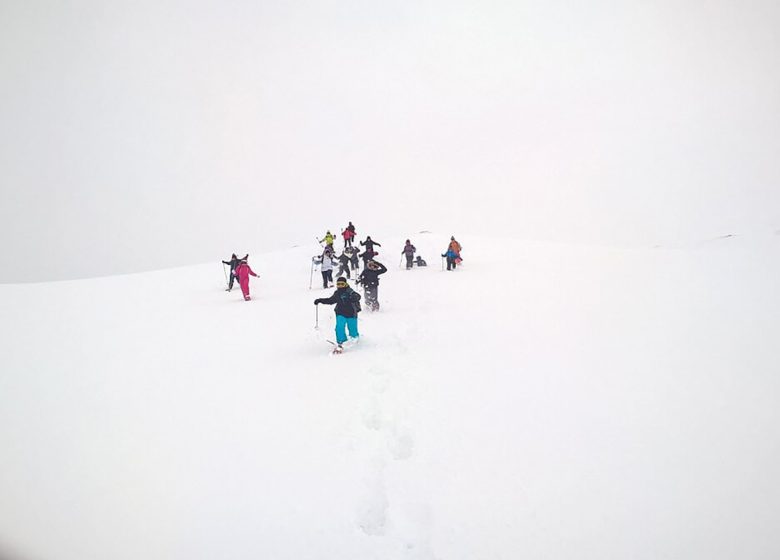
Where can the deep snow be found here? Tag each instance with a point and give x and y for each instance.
(543, 401)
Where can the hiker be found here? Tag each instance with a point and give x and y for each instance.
(328, 239)
(354, 259)
(348, 234)
(369, 244)
(326, 268)
(344, 264)
(347, 308)
(233, 262)
(408, 251)
(243, 272)
(369, 278)
(367, 255)
(453, 254)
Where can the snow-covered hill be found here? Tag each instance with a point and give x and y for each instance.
(544, 401)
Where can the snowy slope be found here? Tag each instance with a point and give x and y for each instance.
(544, 401)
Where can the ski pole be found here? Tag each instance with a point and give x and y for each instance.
(311, 275)
(401, 261)
(225, 272)
(442, 264)
(316, 317)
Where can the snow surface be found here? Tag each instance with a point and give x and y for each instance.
(543, 401)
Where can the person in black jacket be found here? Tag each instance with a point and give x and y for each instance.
(233, 262)
(369, 244)
(369, 253)
(347, 303)
(369, 278)
(344, 264)
(408, 252)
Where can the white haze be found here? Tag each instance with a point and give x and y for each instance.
(138, 135)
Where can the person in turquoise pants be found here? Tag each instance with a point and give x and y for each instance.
(347, 303)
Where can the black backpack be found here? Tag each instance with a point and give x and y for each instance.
(354, 298)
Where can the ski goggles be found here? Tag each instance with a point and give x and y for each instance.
(341, 284)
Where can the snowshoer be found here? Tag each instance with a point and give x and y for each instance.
(453, 254)
(328, 239)
(409, 251)
(369, 244)
(354, 259)
(348, 234)
(344, 264)
(326, 268)
(367, 256)
(233, 262)
(347, 308)
(369, 278)
(243, 272)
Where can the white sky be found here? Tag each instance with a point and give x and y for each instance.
(138, 135)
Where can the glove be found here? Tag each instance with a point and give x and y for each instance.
(316, 301)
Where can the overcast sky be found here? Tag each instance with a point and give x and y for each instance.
(138, 135)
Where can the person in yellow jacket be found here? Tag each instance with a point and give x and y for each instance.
(328, 239)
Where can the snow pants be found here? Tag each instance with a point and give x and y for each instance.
(327, 276)
(350, 323)
(344, 270)
(409, 261)
(244, 287)
(372, 297)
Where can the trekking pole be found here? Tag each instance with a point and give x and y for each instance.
(401, 261)
(311, 275)
(442, 264)
(316, 317)
(225, 272)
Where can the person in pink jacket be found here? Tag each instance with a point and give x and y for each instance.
(243, 272)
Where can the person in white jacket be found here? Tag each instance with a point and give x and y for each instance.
(326, 268)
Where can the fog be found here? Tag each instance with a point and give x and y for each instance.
(141, 135)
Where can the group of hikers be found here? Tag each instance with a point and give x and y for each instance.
(345, 299)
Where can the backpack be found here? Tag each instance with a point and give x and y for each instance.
(354, 298)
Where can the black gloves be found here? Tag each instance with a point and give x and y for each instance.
(316, 301)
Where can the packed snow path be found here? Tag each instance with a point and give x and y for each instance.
(544, 401)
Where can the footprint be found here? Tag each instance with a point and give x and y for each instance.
(372, 514)
(380, 379)
(401, 444)
(415, 527)
(372, 415)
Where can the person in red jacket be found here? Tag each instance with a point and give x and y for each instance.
(243, 272)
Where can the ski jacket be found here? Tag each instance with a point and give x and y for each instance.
(327, 263)
(369, 244)
(328, 239)
(409, 250)
(346, 299)
(347, 234)
(344, 260)
(454, 247)
(243, 272)
(371, 277)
